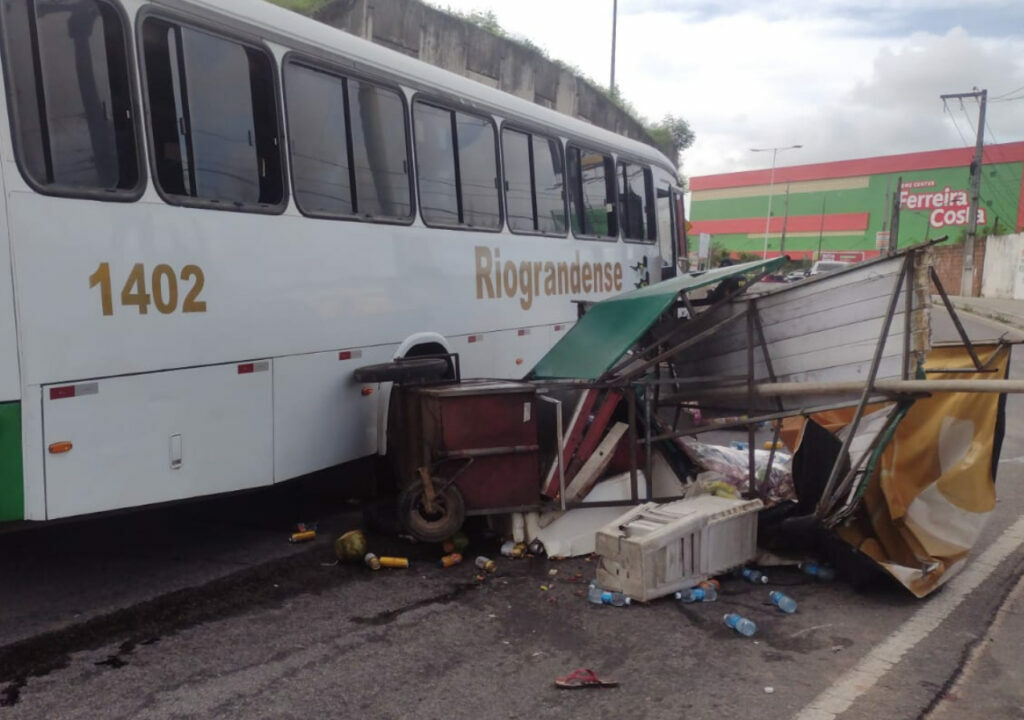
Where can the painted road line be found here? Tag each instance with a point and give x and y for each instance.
(880, 660)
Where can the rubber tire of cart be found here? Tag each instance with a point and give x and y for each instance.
(411, 370)
(438, 527)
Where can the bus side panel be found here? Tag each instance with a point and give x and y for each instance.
(129, 441)
(321, 417)
(12, 492)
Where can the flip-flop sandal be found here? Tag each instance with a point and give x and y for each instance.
(584, 677)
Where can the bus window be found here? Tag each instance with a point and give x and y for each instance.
(668, 216)
(213, 114)
(591, 193)
(636, 203)
(456, 167)
(379, 151)
(317, 129)
(533, 183)
(348, 148)
(71, 109)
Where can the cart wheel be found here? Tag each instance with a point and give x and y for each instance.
(448, 516)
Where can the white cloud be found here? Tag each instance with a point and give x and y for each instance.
(846, 78)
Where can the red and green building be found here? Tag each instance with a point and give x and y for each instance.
(845, 207)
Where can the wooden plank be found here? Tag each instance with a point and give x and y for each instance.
(591, 471)
(570, 441)
(594, 433)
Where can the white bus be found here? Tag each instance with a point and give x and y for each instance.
(214, 210)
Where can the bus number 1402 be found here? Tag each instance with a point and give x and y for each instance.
(164, 285)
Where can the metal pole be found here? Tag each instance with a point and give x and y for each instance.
(868, 388)
(615, 21)
(768, 220)
(821, 228)
(771, 184)
(785, 219)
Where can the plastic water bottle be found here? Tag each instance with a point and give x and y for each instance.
(697, 594)
(603, 597)
(740, 624)
(821, 572)
(754, 576)
(782, 601)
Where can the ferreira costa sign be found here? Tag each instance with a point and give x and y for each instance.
(528, 279)
(946, 206)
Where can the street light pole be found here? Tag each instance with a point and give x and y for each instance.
(771, 184)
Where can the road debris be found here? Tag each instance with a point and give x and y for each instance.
(583, 678)
(744, 626)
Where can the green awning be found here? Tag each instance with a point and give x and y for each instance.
(611, 327)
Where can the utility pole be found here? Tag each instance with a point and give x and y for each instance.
(785, 219)
(967, 283)
(615, 20)
(821, 228)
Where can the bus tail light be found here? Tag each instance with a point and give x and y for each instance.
(60, 447)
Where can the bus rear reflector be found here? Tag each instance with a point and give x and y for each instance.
(60, 447)
(64, 391)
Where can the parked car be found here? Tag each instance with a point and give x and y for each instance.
(796, 275)
(827, 266)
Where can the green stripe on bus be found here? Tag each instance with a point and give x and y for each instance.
(12, 489)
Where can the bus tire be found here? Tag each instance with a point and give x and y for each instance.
(411, 370)
(448, 516)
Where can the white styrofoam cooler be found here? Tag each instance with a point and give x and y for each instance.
(657, 549)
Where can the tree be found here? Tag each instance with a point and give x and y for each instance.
(672, 135)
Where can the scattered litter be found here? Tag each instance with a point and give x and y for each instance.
(553, 571)
(584, 677)
(697, 594)
(710, 584)
(394, 562)
(754, 576)
(449, 560)
(545, 588)
(769, 690)
(330, 564)
(302, 536)
(492, 616)
(837, 648)
(604, 597)
(371, 561)
(782, 601)
(740, 624)
(350, 546)
(536, 547)
(738, 445)
(456, 543)
(486, 564)
(512, 549)
(733, 464)
(819, 572)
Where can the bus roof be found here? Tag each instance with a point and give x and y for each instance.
(275, 24)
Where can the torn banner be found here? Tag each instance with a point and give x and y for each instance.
(933, 487)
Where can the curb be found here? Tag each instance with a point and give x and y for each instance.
(1012, 321)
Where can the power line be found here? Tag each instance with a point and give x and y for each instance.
(1011, 92)
(945, 106)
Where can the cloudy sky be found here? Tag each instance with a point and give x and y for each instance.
(843, 78)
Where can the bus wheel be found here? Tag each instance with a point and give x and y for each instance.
(408, 370)
(447, 517)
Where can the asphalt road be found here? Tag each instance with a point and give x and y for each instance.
(204, 610)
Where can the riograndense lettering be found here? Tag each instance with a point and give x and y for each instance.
(527, 279)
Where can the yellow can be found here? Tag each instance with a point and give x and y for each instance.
(394, 562)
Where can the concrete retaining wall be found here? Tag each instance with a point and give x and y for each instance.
(1004, 267)
(423, 32)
